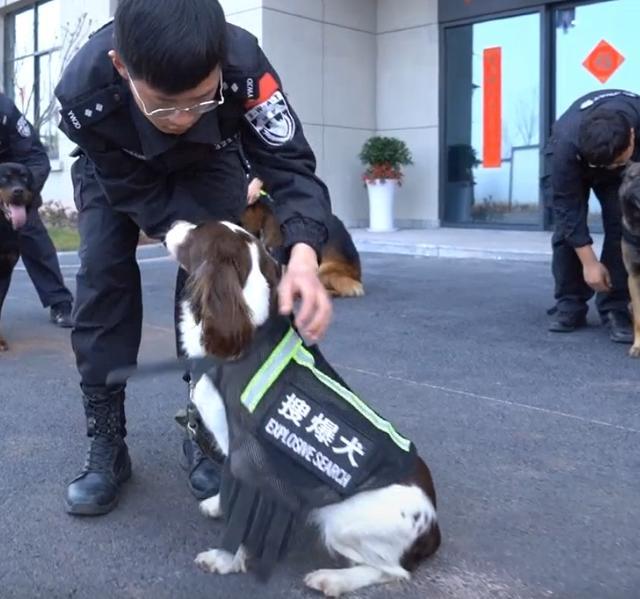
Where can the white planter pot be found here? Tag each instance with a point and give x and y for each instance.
(381, 197)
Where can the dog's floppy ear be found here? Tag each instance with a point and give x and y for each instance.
(216, 288)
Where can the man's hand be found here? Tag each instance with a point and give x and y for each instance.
(301, 281)
(594, 272)
(597, 276)
(253, 191)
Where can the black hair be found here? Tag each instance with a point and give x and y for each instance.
(173, 45)
(604, 135)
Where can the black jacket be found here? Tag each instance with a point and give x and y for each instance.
(20, 143)
(154, 177)
(571, 176)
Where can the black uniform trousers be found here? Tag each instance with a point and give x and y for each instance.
(571, 291)
(108, 309)
(41, 262)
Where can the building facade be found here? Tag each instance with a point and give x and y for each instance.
(472, 86)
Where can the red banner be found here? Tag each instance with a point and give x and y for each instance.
(492, 107)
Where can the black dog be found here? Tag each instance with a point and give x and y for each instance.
(16, 198)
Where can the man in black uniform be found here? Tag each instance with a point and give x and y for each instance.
(160, 103)
(19, 142)
(589, 147)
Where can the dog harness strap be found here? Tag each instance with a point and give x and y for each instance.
(304, 358)
(270, 370)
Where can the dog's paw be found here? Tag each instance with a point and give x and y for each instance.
(634, 352)
(328, 582)
(222, 562)
(356, 290)
(211, 507)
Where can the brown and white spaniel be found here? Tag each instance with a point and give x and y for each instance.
(384, 533)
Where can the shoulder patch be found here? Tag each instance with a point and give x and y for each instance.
(266, 87)
(93, 108)
(23, 127)
(244, 87)
(270, 116)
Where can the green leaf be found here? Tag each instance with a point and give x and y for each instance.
(380, 150)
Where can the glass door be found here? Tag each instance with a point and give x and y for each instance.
(492, 122)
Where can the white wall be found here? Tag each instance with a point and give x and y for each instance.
(325, 52)
(407, 101)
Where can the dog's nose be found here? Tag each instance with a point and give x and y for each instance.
(17, 192)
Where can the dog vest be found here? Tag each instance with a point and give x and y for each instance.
(299, 439)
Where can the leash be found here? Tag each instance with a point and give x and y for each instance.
(188, 418)
(119, 376)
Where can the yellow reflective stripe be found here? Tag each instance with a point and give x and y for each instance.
(304, 358)
(262, 380)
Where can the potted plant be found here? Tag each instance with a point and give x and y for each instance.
(384, 158)
(462, 159)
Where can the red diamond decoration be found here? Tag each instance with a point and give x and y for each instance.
(603, 61)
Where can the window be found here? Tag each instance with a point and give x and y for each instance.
(33, 66)
(492, 128)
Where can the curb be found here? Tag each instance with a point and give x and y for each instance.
(425, 250)
(151, 246)
(447, 251)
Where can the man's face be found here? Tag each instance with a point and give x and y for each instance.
(167, 112)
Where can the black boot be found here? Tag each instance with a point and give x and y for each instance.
(567, 322)
(60, 315)
(95, 490)
(204, 473)
(619, 325)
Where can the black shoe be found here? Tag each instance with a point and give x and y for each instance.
(620, 327)
(95, 490)
(204, 474)
(60, 315)
(567, 322)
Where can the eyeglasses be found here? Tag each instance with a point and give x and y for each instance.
(167, 113)
(610, 167)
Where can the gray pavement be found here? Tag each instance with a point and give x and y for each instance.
(532, 438)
